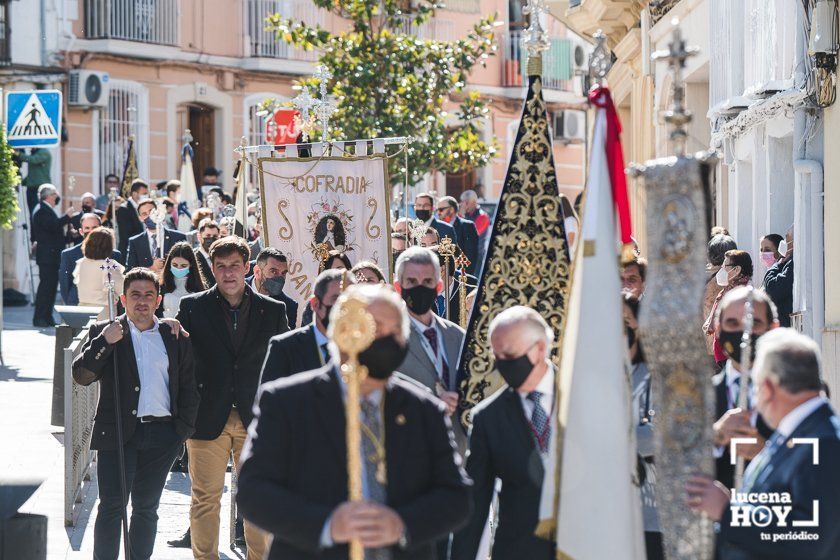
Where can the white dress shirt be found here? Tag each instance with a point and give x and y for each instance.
(153, 369)
(172, 300)
(320, 340)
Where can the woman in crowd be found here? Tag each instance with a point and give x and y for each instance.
(737, 270)
(335, 260)
(366, 272)
(181, 276)
(89, 275)
(109, 212)
(719, 244)
(770, 249)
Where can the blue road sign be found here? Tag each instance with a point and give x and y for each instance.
(33, 118)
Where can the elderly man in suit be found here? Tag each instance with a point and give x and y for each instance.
(159, 403)
(798, 466)
(129, 222)
(465, 230)
(293, 481)
(48, 235)
(230, 326)
(305, 349)
(69, 256)
(424, 207)
(88, 207)
(143, 248)
(509, 440)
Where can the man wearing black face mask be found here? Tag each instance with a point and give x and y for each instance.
(305, 349)
(424, 208)
(434, 342)
(269, 279)
(208, 233)
(734, 422)
(143, 248)
(88, 207)
(509, 440)
(293, 481)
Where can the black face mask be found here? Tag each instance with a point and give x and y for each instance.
(57, 200)
(730, 342)
(383, 356)
(207, 241)
(87, 209)
(419, 299)
(516, 370)
(423, 214)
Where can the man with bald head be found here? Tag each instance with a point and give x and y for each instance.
(69, 295)
(509, 440)
(88, 207)
(795, 474)
(293, 481)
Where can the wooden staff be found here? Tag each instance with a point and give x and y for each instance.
(446, 249)
(353, 331)
(744, 382)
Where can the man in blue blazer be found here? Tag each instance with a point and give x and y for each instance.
(69, 256)
(791, 487)
(142, 248)
(424, 207)
(465, 230)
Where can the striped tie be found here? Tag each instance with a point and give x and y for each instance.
(539, 421)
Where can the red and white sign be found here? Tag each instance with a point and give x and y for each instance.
(281, 128)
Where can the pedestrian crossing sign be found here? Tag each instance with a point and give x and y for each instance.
(33, 118)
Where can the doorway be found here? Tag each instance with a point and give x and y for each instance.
(201, 120)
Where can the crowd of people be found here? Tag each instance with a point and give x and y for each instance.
(209, 353)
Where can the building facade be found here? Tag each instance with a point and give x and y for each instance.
(206, 65)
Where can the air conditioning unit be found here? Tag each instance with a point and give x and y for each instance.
(88, 88)
(580, 58)
(569, 126)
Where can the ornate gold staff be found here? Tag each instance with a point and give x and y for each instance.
(446, 249)
(415, 229)
(462, 262)
(353, 331)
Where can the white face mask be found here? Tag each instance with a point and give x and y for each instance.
(783, 247)
(722, 277)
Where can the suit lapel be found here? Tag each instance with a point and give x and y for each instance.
(127, 352)
(415, 347)
(330, 412)
(216, 319)
(450, 345)
(313, 343)
(394, 422)
(516, 416)
(255, 315)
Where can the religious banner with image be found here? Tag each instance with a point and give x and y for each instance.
(313, 206)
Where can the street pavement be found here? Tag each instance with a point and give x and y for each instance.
(32, 448)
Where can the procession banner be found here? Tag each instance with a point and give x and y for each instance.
(315, 205)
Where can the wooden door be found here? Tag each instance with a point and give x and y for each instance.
(203, 130)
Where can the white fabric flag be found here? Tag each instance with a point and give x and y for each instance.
(188, 193)
(599, 511)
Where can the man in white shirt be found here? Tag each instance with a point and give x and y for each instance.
(732, 420)
(509, 440)
(795, 473)
(159, 405)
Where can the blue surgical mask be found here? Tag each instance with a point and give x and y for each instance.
(179, 272)
(150, 223)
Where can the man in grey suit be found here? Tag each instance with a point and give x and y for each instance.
(434, 342)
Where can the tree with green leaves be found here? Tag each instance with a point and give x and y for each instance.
(9, 180)
(388, 82)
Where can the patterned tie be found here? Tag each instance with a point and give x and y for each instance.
(757, 465)
(375, 489)
(431, 336)
(539, 421)
(153, 245)
(325, 351)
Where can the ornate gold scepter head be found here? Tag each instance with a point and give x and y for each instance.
(415, 229)
(446, 249)
(353, 331)
(462, 262)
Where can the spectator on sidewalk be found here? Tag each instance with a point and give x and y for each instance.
(778, 280)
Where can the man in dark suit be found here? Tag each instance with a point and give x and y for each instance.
(158, 402)
(424, 207)
(293, 481)
(129, 223)
(305, 349)
(795, 473)
(230, 326)
(509, 437)
(732, 421)
(208, 233)
(143, 248)
(467, 234)
(88, 207)
(69, 256)
(270, 270)
(48, 234)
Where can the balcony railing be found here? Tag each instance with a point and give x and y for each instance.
(465, 6)
(145, 21)
(434, 29)
(557, 62)
(264, 43)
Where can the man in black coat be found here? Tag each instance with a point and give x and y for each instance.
(305, 349)
(791, 488)
(424, 207)
(509, 437)
(465, 231)
(270, 270)
(158, 405)
(88, 207)
(778, 282)
(129, 223)
(230, 326)
(732, 421)
(293, 481)
(48, 234)
(143, 248)
(69, 256)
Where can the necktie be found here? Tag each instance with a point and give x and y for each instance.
(372, 443)
(539, 421)
(431, 336)
(440, 304)
(756, 465)
(325, 352)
